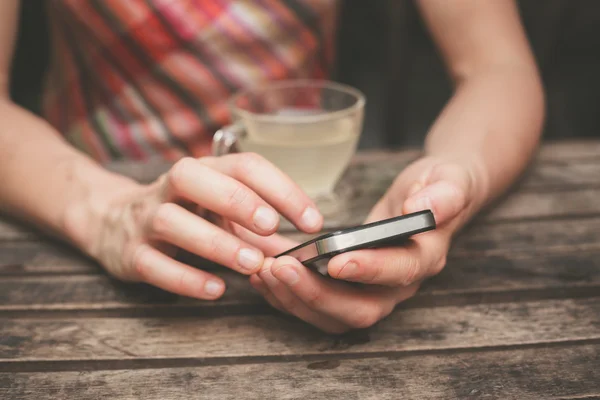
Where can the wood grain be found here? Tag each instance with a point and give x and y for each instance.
(522, 373)
(573, 186)
(563, 150)
(506, 277)
(10, 229)
(477, 326)
(101, 292)
(43, 257)
(536, 237)
(544, 205)
(558, 174)
(580, 207)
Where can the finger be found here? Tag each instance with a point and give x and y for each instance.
(157, 269)
(395, 266)
(295, 306)
(223, 195)
(180, 227)
(262, 288)
(270, 245)
(272, 185)
(379, 212)
(351, 306)
(445, 199)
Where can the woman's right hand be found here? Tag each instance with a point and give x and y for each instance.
(197, 206)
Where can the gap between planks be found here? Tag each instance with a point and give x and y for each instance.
(183, 362)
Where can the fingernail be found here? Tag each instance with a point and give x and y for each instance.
(213, 288)
(287, 274)
(265, 219)
(249, 259)
(311, 218)
(348, 270)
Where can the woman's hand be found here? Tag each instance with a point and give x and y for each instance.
(451, 190)
(196, 206)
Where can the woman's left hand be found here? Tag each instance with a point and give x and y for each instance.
(390, 275)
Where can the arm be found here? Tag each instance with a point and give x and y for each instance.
(480, 143)
(494, 120)
(42, 176)
(133, 229)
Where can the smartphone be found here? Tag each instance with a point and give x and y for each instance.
(317, 252)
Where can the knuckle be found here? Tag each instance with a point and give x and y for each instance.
(140, 262)
(290, 195)
(365, 316)
(239, 196)
(163, 218)
(314, 298)
(179, 171)
(410, 269)
(216, 245)
(375, 274)
(182, 281)
(290, 304)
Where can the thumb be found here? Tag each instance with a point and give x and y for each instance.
(445, 199)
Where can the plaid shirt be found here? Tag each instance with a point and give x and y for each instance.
(143, 78)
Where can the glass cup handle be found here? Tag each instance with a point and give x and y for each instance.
(225, 138)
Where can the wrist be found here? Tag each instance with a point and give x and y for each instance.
(95, 192)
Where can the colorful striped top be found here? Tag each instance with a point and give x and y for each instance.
(137, 79)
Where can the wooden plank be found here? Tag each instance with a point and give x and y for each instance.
(504, 277)
(533, 205)
(43, 257)
(514, 207)
(529, 237)
(523, 373)
(25, 257)
(97, 292)
(495, 257)
(563, 150)
(476, 326)
(13, 230)
(559, 189)
(371, 174)
(559, 174)
(22, 257)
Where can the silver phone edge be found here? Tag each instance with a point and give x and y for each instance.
(374, 233)
(343, 241)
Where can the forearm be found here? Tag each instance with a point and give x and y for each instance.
(46, 181)
(492, 124)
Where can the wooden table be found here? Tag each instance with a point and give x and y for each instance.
(515, 313)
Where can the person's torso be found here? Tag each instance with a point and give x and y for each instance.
(141, 78)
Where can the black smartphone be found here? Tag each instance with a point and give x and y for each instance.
(317, 252)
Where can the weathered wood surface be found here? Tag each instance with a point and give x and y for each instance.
(535, 258)
(524, 235)
(35, 257)
(464, 280)
(560, 185)
(554, 372)
(515, 313)
(405, 330)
